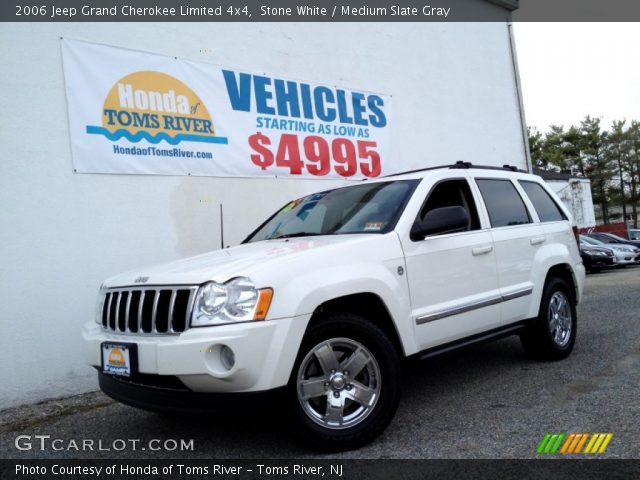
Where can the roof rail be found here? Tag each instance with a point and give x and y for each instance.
(417, 170)
(462, 165)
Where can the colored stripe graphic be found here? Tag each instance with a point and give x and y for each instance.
(582, 442)
(573, 443)
(557, 443)
(569, 442)
(604, 445)
(598, 443)
(550, 443)
(543, 443)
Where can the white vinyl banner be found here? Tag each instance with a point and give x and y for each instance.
(141, 113)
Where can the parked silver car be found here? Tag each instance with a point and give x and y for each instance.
(625, 254)
(607, 237)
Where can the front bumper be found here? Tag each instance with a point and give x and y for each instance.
(264, 354)
(184, 401)
(598, 261)
(627, 258)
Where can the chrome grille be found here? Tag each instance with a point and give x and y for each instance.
(148, 310)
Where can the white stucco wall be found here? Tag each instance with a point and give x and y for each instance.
(576, 195)
(62, 233)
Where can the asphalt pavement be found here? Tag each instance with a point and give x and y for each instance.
(488, 401)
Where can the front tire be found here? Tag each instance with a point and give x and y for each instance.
(345, 385)
(552, 335)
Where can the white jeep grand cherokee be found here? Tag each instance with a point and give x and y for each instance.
(325, 298)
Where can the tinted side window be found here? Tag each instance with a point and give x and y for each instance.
(453, 193)
(547, 209)
(504, 204)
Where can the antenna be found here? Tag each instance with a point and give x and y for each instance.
(221, 228)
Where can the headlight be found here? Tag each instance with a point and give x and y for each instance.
(593, 252)
(235, 301)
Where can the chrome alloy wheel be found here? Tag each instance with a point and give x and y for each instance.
(560, 320)
(338, 383)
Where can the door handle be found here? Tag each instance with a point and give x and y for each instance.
(537, 240)
(482, 250)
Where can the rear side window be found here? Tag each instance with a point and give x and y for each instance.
(504, 204)
(547, 209)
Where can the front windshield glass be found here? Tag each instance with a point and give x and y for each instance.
(617, 237)
(591, 241)
(362, 208)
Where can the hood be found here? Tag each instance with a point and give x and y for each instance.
(597, 248)
(621, 247)
(241, 260)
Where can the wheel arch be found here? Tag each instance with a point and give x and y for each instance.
(367, 305)
(566, 273)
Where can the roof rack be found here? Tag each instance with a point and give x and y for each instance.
(462, 165)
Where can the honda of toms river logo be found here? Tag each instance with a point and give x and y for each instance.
(155, 107)
(116, 358)
(574, 443)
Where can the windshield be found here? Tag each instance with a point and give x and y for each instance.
(363, 208)
(591, 241)
(613, 235)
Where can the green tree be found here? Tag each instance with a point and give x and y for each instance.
(595, 164)
(610, 159)
(536, 146)
(552, 148)
(633, 135)
(572, 143)
(617, 152)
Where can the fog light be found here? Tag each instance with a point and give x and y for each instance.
(227, 357)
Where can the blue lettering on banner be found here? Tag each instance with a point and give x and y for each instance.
(287, 98)
(262, 94)
(377, 119)
(322, 96)
(239, 95)
(307, 107)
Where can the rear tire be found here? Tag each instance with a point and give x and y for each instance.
(345, 385)
(552, 335)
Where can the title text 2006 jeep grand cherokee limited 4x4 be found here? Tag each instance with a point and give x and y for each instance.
(328, 295)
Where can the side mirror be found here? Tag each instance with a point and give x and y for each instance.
(439, 221)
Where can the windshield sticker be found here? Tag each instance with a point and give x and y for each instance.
(288, 207)
(317, 196)
(373, 226)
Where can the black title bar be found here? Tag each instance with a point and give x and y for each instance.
(312, 469)
(318, 10)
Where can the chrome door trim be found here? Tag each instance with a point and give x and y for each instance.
(472, 306)
(518, 294)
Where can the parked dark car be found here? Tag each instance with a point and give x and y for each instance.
(612, 238)
(596, 258)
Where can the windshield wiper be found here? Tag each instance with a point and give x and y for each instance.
(297, 234)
